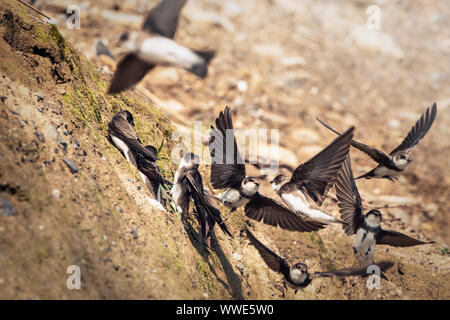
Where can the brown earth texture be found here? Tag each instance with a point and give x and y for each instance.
(68, 197)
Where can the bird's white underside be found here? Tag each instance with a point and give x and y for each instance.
(122, 146)
(164, 51)
(298, 203)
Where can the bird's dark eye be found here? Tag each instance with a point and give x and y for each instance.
(124, 36)
(402, 157)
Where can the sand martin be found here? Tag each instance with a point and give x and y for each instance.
(297, 275)
(151, 175)
(155, 46)
(122, 135)
(227, 165)
(366, 228)
(188, 183)
(391, 165)
(313, 179)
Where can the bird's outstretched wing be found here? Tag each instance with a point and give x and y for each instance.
(269, 211)
(317, 175)
(163, 19)
(349, 200)
(130, 70)
(397, 239)
(357, 271)
(419, 130)
(273, 261)
(227, 165)
(376, 155)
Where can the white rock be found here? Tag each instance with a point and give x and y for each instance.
(56, 193)
(156, 204)
(293, 61)
(242, 85)
(268, 49)
(231, 9)
(237, 256)
(304, 135)
(375, 40)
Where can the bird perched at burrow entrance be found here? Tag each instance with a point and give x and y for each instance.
(228, 172)
(313, 179)
(391, 165)
(366, 227)
(122, 135)
(154, 45)
(151, 175)
(297, 276)
(188, 184)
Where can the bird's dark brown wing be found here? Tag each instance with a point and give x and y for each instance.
(357, 271)
(151, 170)
(204, 203)
(397, 239)
(317, 175)
(273, 261)
(163, 19)
(120, 128)
(349, 200)
(130, 70)
(376, 155)
(419, 130)
(261, 208)
(227, 165)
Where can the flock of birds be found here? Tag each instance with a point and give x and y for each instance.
(302, 193)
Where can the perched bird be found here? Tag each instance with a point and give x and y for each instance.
(313, 179)
(188, 183)
(122, 135)
(151, 175)
(391, 165)
(366, 228)
(228, 171)
(155, 46)
(297, 275)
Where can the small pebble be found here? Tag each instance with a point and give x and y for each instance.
(134, 233)
(72, 166)
(7, 209)
(56, 193)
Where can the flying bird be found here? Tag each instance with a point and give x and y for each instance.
(366, 228)
(297, 275)
(151, 174)
(227, 165)
(228, 172)
(154, 45)
(391, 165)
(188, 184)
(122, 135)
(313, 179)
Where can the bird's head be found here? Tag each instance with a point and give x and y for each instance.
(128, 40)
(402, 160)
(125, 114)
(279, 181)
(189, 161)
(299, 273)
(250, 186)
(373, 218)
